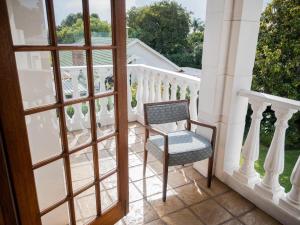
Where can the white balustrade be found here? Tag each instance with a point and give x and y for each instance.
(291, 201)
(152, 85)
(250, 150)
(274, 162)
(268, 187)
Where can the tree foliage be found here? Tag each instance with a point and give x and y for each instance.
(277, 64)
(165, 26)
(71, 28)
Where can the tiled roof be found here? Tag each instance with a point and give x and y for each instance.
(100, 57)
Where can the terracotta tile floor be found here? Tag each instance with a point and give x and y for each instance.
(189, 201)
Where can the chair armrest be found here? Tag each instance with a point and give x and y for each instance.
(155, 130)
(165, 135)
(203, 124)
(214, 129)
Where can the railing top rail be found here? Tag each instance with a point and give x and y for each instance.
(272, 99)
(177, 74)
(159, 70)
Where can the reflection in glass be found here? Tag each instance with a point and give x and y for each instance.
(105, 116)
(36, 78)
(28, 22)
(107, 155)
(78, 124)
(59, 215)
(43, 135)
(103, 71)
(109, 192)
(50, 184)
(100, 22)
(70, 27)
(85, 206)
(82, 168)
(74, 74)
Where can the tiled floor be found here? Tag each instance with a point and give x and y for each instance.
(189, 201)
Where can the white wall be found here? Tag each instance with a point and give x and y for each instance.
(145, 56)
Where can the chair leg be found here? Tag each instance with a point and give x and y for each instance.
(165, 180)
(210, 170)
(145, 161)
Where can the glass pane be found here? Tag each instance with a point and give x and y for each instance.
(74, 74)
(107, 155)
(105, 116)
(100, 22)
(82, 168)
(68, 15)
(30, 31)
(36, 78)
(44, 135)
(108, 192)
(78, 124)
(59, 215)
(103, 71)
(85, 206)
(50, 184)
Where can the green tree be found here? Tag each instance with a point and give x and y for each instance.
(277, 64)
(71, 28)
(163, 26)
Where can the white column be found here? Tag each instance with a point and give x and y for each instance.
(230, 38)
(250, 150)
(291, 201)
(274, 162)
(152, 87)
(158, 88)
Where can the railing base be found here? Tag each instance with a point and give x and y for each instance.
(270, 207)
(268, 193)
(247, 180)
(290, 207)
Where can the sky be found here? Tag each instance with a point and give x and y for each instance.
(102, 7)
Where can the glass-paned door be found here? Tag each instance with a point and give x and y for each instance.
(70, 62)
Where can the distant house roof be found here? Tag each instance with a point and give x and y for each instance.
(100, 57)
(191, 71)
(104, 57)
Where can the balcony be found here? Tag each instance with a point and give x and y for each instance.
(150, 84)
(188, 202)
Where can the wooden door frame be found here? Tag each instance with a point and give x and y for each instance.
(12, 113)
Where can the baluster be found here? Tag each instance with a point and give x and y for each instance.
(174, 90)
(158, 88)
(183, 91)
(152, 88)
(166, 83)
(129, 93)
(274, 163)
(103, 101)
(140, 87)
(193, 103)
(146, 86)
(250, 151)
(77, 117)
(181, 124)
(291, 202)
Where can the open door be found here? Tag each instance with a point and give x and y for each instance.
(67, 160)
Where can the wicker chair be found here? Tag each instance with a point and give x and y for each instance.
(178, 147)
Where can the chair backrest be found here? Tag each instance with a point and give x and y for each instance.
(166, 112)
